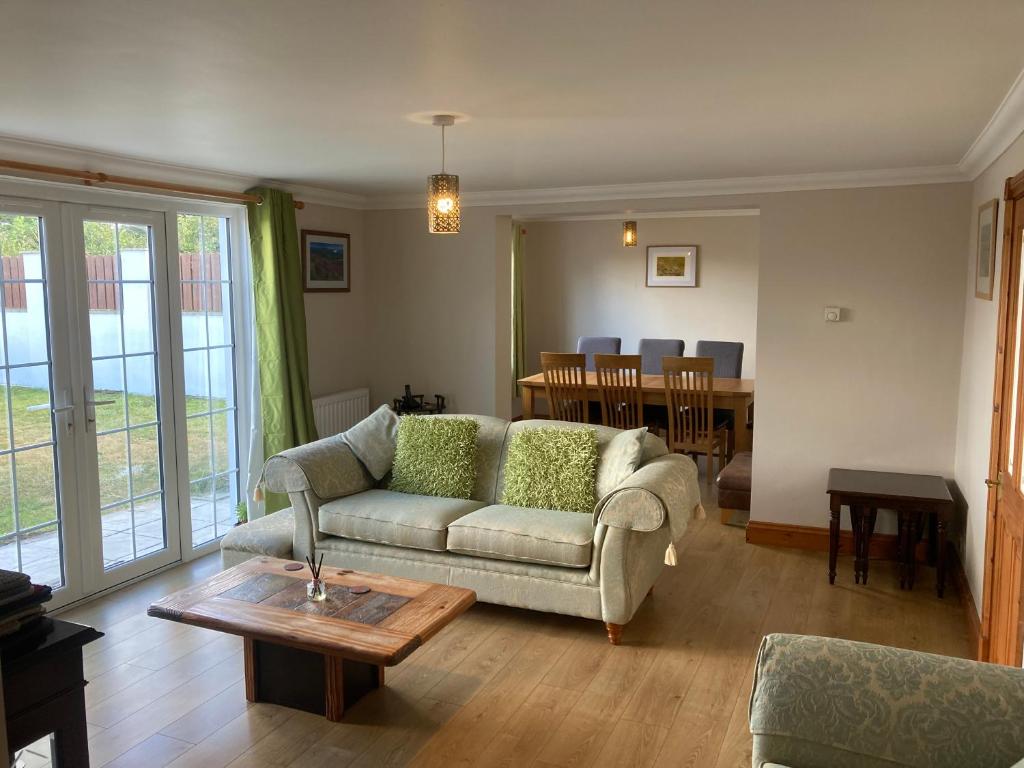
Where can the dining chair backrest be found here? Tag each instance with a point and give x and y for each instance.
(619, 387)
(592, 345)
(690, 400)
(652, 350)
(728, 357)
(565, 386)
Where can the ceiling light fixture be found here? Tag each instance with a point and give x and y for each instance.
(443, 214)
(629, 234)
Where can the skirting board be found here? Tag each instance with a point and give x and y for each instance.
(883, 547)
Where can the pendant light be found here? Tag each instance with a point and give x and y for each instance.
(629, 234)
(443, 215)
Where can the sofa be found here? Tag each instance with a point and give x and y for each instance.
(820, 702)
(598, 566)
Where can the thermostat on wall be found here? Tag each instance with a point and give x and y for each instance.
(832, 314)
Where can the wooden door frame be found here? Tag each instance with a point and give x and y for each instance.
(1010, 275)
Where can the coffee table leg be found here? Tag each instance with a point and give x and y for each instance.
(249, 661)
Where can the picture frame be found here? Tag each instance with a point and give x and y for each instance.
(672, 266)
(326, 261)
(985, 264)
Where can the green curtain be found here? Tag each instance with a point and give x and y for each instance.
(518, 327)
(280, 318)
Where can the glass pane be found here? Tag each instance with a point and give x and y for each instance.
(134, 247)
(222, 378)
(5, 430)
(193, 314)
(6, 502)
(223, 441)
(138, 317)
(203, 529)
(30, 405)
(149, 526)
(40, 556)
(197, 382)
(199, 459)
(219, 313)
(113, 462)
(108, 381)
(225, 503)
(118, 546)
(141, 389)
(36, 487)
(145, 445)
(104, 319)
(215, 241)
(26, 326)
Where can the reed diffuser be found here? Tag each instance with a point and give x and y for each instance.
(317, 588)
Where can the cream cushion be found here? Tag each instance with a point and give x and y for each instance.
(545, 536)
(618, 459)
(373, 441)
(399, 519)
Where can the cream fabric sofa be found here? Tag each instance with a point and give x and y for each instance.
(598, 566)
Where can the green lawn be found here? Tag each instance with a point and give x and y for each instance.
(35, 475)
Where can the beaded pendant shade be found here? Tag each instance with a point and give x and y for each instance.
(443, 214)
(629, 234)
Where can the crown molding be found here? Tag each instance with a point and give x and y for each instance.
(710, 213)
(1002, 129)
(43, 153)
(894, 177)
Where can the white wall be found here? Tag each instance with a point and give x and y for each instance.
(878, 390)
(337, 323)
(580, 281)
(977, 374)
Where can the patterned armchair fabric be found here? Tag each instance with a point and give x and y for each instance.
(826, 703)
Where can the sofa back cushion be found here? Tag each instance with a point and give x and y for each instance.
(551, 468)
(435, 457)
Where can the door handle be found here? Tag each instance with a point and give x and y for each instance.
(991, 483)
(46, 407)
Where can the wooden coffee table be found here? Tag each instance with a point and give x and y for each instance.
(316, 656)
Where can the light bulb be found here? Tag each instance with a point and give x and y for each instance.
(445, 204)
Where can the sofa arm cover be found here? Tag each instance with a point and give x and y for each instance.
(825, 702)
(327, 468)
(665, 487)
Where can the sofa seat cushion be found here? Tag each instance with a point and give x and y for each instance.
(398, 519)
(525, 535)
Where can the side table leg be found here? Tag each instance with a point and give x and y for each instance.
(940, 564)
(915, 530)
(868, 523)
(901, 546)
(833, 538)
(857, 520)
(70, 742)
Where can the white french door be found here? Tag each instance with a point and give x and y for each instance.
(123, 412)
(120, 344)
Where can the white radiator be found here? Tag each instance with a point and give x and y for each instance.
(336, 413)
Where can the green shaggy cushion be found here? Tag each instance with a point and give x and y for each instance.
(551, 468)
(435, 457)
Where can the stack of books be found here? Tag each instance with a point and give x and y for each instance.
(22, 614)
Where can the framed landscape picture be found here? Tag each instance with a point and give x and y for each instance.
(986, 263)
(671, 266)
(326, 261)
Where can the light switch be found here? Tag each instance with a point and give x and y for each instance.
(833, 314)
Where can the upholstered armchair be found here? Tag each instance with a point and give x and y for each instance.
(824, 703)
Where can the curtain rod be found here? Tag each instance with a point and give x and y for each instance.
(93, 177)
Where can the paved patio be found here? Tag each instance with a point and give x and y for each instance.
(40, 552)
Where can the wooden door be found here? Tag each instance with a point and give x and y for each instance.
(1002, 635)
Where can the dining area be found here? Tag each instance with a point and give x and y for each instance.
(700, 404)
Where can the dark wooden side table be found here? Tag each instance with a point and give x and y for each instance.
(912, 497)
(44, 693)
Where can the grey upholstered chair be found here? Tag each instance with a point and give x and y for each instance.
(601, 345)
(728, 357)
(652, 350)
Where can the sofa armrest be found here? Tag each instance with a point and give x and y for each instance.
(821, 701)
(664, 488)
(327, 468)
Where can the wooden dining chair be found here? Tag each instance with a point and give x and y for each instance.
(690, 401)
(565, 385)
(620, 390)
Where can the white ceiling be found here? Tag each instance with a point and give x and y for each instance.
(560, 92)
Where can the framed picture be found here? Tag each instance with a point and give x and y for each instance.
(986, 262)
(671, 266)
(326, 261)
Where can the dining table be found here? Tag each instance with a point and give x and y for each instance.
(736, 395)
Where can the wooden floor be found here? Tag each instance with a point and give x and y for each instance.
(506, 687)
